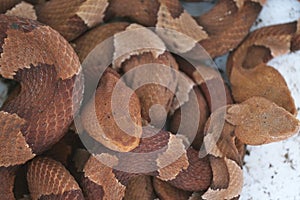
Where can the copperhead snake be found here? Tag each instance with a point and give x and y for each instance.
(255, 109)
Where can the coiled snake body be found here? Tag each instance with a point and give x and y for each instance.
(51, 92)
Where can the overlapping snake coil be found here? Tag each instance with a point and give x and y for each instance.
(105, 108)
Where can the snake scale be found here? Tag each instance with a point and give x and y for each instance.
(127, 151)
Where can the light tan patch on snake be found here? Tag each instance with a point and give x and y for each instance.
(92, 11)
(240, 3)
(235, 183)
(104, 176)
(180, 33)
(35, 43)
(133, 33)
(23, 9)
(14, 148)
(176, 149)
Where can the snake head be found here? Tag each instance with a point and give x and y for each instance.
(259, 121)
